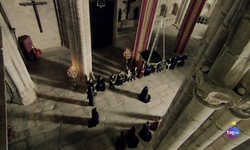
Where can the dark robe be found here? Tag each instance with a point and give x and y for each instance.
(183, 60)
(90, 96)
(144, 96)
(128, 75)
(173, 63)
(120, 143)
(131, 139)
(179, 61)
(120, 79)
(92, 85)
(95, 118)
(145, 133)
(100, 86)
(159, 67)
(148, 70)
(112, 81)
(134, 73)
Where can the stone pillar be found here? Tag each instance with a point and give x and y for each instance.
(223, 142)
(215, 130)
(76, 22)
(3, 111)
(83, 61)
(186, 29)
(144, 29)
(233, 62)
(188, 122)
(16, 67)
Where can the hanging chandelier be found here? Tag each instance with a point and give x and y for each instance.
(100, 3)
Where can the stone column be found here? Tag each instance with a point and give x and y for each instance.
(77, 25)
(215, 130)
(16, 67)
(3, 111)
(84, 50)
(186, 29)
(233, 62)
(223, 142)
(144, 29)
(221, 34)
(191, 118)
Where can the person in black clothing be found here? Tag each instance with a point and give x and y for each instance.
(145, 133)
(173, 63)
(100, 85)
(144, 96)
(183, 60)
(128, 76)
(131, 139)
(90, 96)
(91, 84)
(95, 118)
(112, 81)
(134, 73)
(159, 67)
(120, 143)
(148, 70)
(120, 79)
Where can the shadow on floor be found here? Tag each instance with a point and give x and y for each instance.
(139, 115)
(62, 99)
(126, 93)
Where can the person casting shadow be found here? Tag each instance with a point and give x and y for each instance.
(95, 118)
(131, 139)
(120, 143)
(90, 96)
(145, 133)
(144, 96)
(100, 85)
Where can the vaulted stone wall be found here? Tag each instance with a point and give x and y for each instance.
(215, 92)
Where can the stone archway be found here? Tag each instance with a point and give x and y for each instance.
(175, 9)
(163, 10)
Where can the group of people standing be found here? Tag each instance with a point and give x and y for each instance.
(131, 140)
(146, 70)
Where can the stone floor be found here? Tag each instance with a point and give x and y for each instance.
(59, 119)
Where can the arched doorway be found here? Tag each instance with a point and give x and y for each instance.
(163, 10)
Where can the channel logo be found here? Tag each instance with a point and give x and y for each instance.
(233, 132)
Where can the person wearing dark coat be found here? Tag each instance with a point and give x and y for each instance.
(179, 61)
(144, 96)
(91, 84)
(173, 63)
(148, 70)
(95, 118)
(134, 73)
(120, 143)
(128, 76)
(112, 81)
(183, 60)
(100, 85)
(120, 79)
(90, 96)
(131, 139)
(168, 63)
(145, 133)
(159, 67)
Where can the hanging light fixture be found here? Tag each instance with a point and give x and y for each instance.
(100, 3)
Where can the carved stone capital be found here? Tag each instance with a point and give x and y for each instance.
(214, 94)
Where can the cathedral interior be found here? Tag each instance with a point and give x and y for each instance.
(203, 104)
